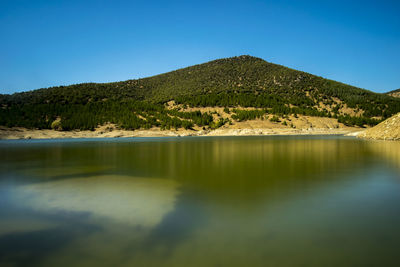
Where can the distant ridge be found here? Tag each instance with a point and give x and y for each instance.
(394, 93)
(235, 82)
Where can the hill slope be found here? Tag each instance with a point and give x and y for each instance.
(386, 130)
(394, 93)
(242, 81)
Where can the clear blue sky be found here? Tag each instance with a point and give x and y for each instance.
(47, 43)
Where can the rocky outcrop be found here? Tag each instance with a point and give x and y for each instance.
(386, 130)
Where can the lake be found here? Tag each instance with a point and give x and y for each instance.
(200, 201)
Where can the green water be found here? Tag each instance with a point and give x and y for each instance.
(224, 201)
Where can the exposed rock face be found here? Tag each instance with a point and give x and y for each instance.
(386, 130)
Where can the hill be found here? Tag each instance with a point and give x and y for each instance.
(386, 130)
(174, 99)
(394, 93)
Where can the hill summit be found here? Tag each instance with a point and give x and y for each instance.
(174, 99)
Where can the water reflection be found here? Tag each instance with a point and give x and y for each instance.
(140, 202)
(388, 150)
(123, 210)
(280, 201)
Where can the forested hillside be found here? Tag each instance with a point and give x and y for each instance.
(236, 82)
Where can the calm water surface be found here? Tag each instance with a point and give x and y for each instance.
(225, 201)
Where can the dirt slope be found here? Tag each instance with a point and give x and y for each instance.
(386, 130)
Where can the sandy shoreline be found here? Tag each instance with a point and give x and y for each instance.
(301, 125)
(21, 133)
